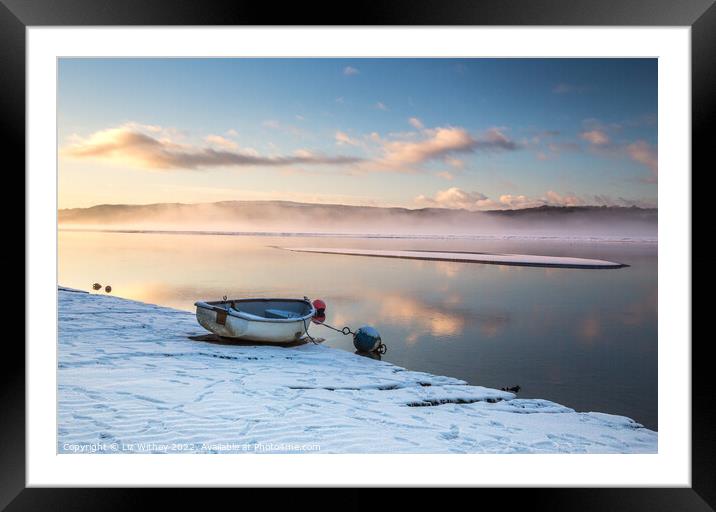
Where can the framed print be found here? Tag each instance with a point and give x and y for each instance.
(421, 247)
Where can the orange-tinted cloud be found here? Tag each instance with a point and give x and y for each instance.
(128, 145)
(642, 152)
(441, 142)
(596, 137)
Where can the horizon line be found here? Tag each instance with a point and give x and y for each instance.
(283, 201)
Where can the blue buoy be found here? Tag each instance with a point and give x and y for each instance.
(366, 339)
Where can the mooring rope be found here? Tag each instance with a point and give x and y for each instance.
(345, 331)
(313, 340)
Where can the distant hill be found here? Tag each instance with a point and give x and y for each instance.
(311, 217)
(605, 212)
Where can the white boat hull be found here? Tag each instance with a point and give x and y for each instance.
(245, 328)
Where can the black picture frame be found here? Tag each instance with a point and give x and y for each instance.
(700, 15)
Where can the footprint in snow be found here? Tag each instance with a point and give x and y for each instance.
(544, 445)
(404, 440)
(453, 433)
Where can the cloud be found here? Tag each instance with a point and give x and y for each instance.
(454, 197)
(441, 142)
(223, 142)
(595, 124)
(596, 137)
(537, 137)
(555, 199)
(274, 124)
(552, 150)
(416, 123)
(494, 138)
(457, 198)
(381, 106)
(146, 147)
(547, 146)
(350, 71)
(446, 175)
(642, 152)
(514, 201)
(125, 145)
(455, 162)
(342, 138)
(304, 153)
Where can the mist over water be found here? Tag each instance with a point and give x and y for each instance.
(287, 217)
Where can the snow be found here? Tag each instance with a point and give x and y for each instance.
(131, 380)
(67, 289)
(471, 257)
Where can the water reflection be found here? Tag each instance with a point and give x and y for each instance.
(584, 338)
(449, 269)
(590, 328)
(491, 325)
(412, 312)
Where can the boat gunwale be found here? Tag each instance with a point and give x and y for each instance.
(213, 306)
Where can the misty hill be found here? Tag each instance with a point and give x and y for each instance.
(595, 212)
(307, 217)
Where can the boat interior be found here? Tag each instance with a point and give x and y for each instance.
(282, 309)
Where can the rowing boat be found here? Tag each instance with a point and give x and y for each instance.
(261, 320)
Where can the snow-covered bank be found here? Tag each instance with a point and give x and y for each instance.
(525, 260)
(130, 379)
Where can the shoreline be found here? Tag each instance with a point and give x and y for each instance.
(388, 236)
(129, 376)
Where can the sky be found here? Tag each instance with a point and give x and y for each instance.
(478, 134)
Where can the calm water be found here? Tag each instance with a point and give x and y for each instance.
(583, 338)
